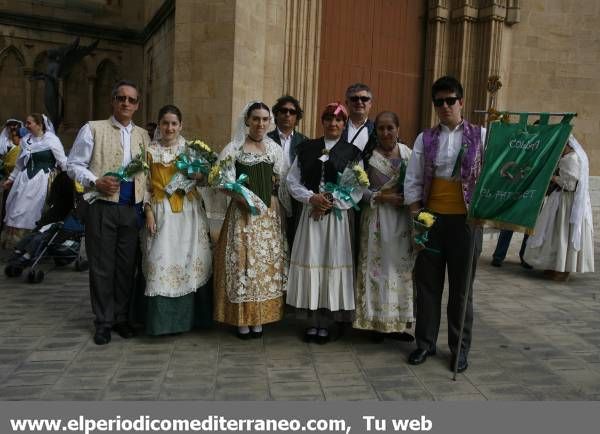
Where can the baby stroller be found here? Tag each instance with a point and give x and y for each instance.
(58, 236)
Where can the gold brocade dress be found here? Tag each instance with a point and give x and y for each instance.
(250, 262)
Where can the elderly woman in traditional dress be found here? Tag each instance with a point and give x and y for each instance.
(384, 288)
(321, 278)
(177, 252)
(251, 254)
(41, 153)
(563, 239)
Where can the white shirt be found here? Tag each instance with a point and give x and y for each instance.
(286, 142)
(361, 140)
(450, 142)
(31, 144)
(81, 152)
(303, 194)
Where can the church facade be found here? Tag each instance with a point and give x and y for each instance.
(209, 57)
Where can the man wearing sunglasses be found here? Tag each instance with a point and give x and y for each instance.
(287, 112)
(111, 222)
(441, 176)
(358, 130)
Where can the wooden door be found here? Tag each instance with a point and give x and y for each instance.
(380, 43)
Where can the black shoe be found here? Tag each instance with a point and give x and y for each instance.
(256, 335)
(243, 336)
(102, 336)
(124, 330)
(320, 339)
(463, 364)
(309, 337)
(526, 265)
(496, 262)
(419, 356)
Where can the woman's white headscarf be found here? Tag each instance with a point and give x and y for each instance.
(582, 207)
(5, 139)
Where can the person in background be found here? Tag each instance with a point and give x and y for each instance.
(41, 153)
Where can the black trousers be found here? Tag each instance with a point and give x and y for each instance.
(450, 235)
(111, 242)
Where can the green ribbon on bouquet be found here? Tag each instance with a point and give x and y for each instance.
(343, 193)
(120, 174)
(238, 187)
(187, 165)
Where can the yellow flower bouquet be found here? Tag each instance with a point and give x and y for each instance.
(422, 223)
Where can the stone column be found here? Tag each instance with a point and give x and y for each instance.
(27, 72)
(301, 58)
(91, 82)
(435, 53)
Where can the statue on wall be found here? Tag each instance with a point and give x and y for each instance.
(61, 61)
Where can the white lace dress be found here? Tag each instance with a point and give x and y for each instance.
(251, 254)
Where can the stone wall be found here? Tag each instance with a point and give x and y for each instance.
(259, 52)
(203, 68)
(158, 72)
(555, 63)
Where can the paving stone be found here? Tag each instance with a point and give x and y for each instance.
(125, 374)
(506, 392)
(294, 389)
(31, 379)
(343, 379)
(81, 383)
(418, 394)
(35, 367)
(203, 392)
(291, 375)
(350, 393)
(73, 395)
(21, 393)
(42, 356)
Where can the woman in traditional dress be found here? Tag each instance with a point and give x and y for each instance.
(384, 289)
(563, 241)
(10, 147)
(251, 254)
(41, 153)
(177, 252)
(321, 277)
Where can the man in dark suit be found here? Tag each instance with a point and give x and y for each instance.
(359, 128)
(287, 112)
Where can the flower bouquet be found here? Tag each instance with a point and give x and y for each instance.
(198, 157)
(124, 173)
(422, 223)
(352, 178)
(222, 176)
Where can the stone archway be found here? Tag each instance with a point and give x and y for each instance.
(107, 75)
(13, 88)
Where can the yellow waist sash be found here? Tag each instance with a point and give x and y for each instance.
(445, 197)
(160, 176)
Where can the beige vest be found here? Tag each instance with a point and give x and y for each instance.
(107, 154)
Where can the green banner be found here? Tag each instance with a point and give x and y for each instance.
(519, 162)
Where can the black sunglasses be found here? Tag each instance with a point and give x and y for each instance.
(123, 98)
(285, 111)
(361, 98)
(450, 101)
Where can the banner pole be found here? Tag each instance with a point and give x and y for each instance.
(467, 293)
(493, 86)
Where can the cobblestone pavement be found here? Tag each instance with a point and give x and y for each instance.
(534, 339)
